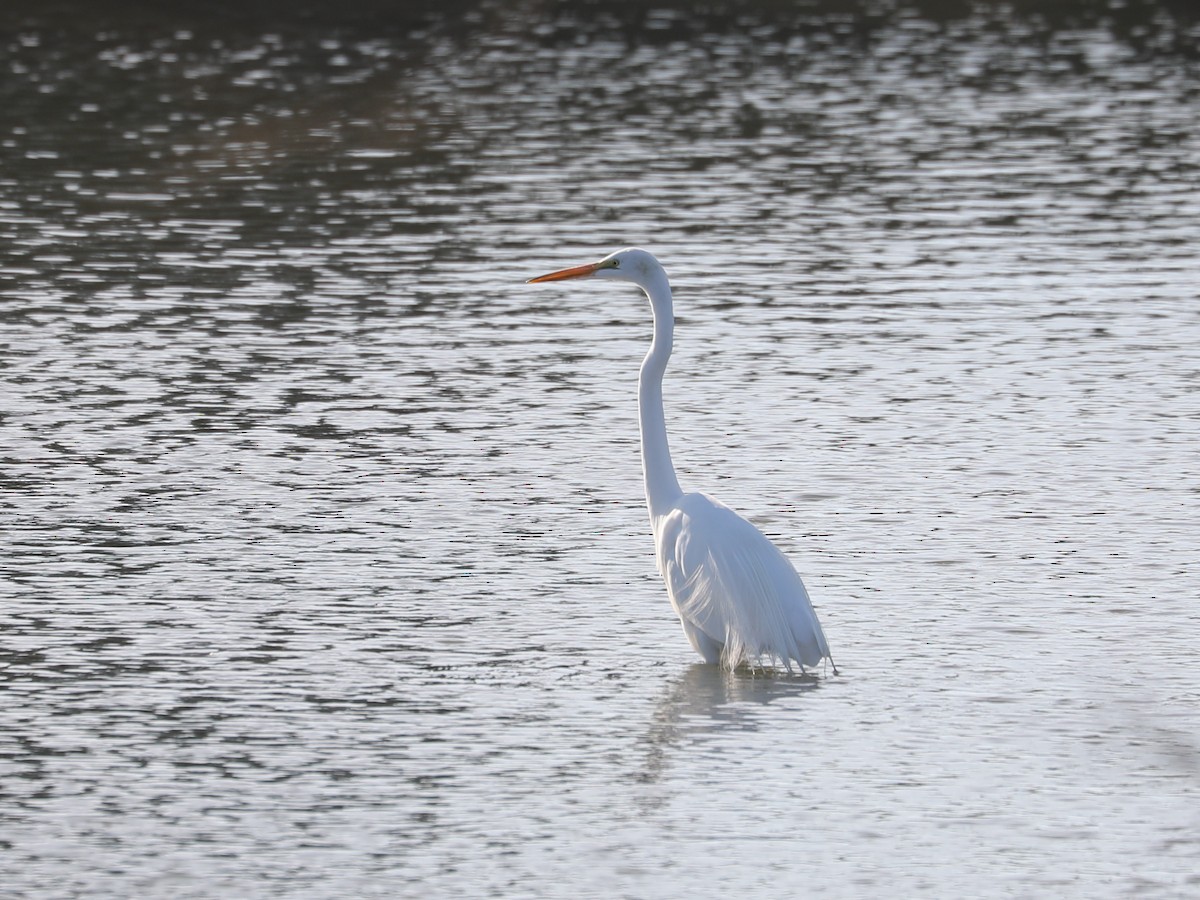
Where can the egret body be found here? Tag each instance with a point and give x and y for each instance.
(738, 597)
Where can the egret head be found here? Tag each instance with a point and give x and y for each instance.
(631, 264)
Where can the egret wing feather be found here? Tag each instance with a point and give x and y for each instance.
(727, 581)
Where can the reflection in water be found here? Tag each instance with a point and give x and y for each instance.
(324, 567)
(706, 700)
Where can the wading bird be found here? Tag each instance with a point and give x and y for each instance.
(736, 594)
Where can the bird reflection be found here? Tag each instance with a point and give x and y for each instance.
(706, 701)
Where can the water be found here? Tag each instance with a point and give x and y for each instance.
(325, 567)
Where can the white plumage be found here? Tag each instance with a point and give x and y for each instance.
(737, 596)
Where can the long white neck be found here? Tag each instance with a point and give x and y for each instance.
(662, 487)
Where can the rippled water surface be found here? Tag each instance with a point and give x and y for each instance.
(325, 569)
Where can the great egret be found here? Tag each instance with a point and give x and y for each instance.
(738, 597)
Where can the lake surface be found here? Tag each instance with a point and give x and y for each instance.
(325, 569)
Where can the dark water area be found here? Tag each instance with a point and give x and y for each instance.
(324, 564)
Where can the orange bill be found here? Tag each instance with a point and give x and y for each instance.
(573, 272)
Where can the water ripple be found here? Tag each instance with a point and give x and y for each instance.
(325, 569)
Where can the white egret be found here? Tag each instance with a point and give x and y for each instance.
(738, 597)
